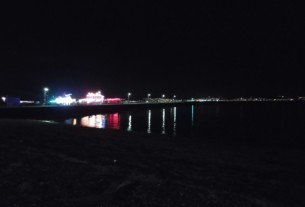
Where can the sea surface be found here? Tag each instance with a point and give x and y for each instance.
(207, 120)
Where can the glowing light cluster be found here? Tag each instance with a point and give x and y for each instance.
(111, 121)
(113, 100)
(96, 121)
(92, 98)
(64, 100)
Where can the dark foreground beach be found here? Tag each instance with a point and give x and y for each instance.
(47, 164)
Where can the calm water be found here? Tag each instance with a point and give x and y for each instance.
(234, 120)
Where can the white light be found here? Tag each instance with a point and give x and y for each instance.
(66, 100)
(163, 96)
(175, 120)
(28, 102)
(45, 91)
(3, 99)
(149, 122)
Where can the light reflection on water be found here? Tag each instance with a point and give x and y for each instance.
(149, 122)
(129, 123)
(96, 121)
(175, 120)
(192, 115)
(204, 120)
(126, 121)
(102, 121)
(163, 121)
(113, 121)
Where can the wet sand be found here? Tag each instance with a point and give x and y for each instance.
(47, 164)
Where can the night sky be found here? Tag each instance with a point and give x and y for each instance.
(215, 48)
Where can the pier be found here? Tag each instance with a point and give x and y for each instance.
(54, 112)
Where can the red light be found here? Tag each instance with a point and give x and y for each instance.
(114, 100)
(113, 121)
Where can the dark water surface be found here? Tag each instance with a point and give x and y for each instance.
(210, 120)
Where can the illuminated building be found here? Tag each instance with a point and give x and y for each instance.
(92, 98)
(64, 100)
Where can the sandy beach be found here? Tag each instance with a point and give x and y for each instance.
(49, 164)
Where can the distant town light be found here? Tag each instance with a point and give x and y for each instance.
(45, 91)
(128, 96)
(27, 102)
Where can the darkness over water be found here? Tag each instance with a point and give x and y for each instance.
(234, 120)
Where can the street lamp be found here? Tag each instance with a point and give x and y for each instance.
(174, 97)
(163, 96)
(148, 95)
(128, 95)
(45, 91)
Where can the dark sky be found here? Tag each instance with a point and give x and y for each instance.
(215, 48)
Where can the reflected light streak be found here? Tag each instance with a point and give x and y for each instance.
(95, 121)
(98, 121)
(74, 123)
(149, 122)
(68, 121)
(103, 124)
(192, 115)
(129, 123)
(163, 121)
(175, 119)
(113, 121)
